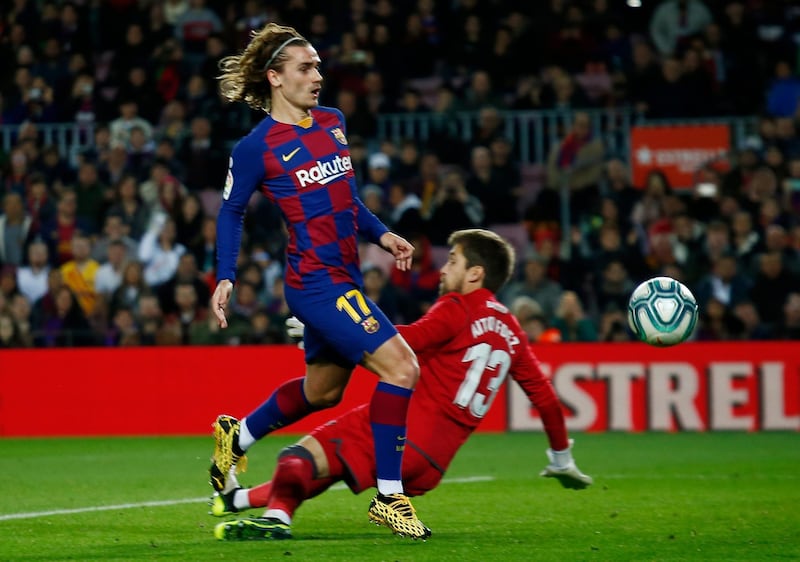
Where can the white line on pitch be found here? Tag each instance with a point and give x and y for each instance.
(34, 514)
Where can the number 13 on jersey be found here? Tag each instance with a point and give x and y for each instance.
(481, 357)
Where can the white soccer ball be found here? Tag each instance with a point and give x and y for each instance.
(662, 312)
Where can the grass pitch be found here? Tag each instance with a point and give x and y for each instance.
(706, 496)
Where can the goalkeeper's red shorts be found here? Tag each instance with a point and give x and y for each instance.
(348, 445)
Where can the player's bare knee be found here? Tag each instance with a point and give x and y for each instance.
(327, 398)
(404, 374)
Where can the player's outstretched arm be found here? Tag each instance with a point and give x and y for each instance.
(400, 248)
(562, 467)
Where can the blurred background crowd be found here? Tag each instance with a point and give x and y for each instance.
(114, 244)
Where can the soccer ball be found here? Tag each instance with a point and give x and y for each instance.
(662, 312)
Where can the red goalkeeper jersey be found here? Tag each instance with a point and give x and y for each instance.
(467, 346)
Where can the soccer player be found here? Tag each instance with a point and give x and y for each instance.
(467, 344)
(298, 157)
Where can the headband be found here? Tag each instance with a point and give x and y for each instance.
(277, 51)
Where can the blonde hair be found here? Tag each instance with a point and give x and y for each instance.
(243, 75)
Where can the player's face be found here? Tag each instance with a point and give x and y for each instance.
(300, 79)
(453, 272)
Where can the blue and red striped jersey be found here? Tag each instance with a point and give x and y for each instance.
(305, 169)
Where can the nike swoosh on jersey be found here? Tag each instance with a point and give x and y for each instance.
(287, 157)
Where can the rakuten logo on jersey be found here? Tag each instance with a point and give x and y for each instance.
(324, 172)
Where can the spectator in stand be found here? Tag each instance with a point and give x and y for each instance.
(134, 52)
(771, 287)
(577, 161)
(378, 170)
(32, 278)
(405, 215)
(613, 288)
(746, 241)
(172, 124)
(453, 209)
(752, 326)
(205, 161)
(159, 252)
(123, 331)
(66, 325)
(358, 118)
(128, 119)
(150, 320)
(189, 223)
(132, 286)
(381, 292)
(642, 75)
(373, 196)
(15, 225)
(571, 320)
(535, 284)
(776, 239)
(185, 272)
(724, 283)
(82, 106)
(670, 96)
(200, 101)
(193, 28)
(187, 313)
(789, 327)
(783, 94)
(674, 21)
(129, 206)
(109, 274)
(80, 272)
(17, 178)
(426, 184)
(716, 322)
(114, 230)
(38, 104)
(9, 333)
(417, 286)
(140, 155)
(93, 196)
(494, 187)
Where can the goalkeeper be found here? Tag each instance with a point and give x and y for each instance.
(467, 344)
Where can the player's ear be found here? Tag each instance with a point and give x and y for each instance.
(475, 274)
(273, 78)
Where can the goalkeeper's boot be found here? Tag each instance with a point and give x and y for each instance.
(569, 476)
(262, 528)
(396, 512)
(227, 453)
(222, 502)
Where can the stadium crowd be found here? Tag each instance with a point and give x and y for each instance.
(115, 245)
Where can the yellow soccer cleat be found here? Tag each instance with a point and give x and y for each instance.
(227, 453)
(396, 512)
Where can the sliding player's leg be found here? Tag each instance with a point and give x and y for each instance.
(327, 374)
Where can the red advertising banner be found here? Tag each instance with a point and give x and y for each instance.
(179, 391)
(158, 391)
(691, 387)
(677, 150)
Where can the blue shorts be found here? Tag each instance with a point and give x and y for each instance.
(341, 323)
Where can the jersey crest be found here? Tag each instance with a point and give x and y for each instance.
(339, 135)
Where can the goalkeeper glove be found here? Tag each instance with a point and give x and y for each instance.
(563, 468)
(295, 330)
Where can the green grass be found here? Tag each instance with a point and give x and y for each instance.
(707, 496)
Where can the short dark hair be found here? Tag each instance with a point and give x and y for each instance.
(488, 250)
